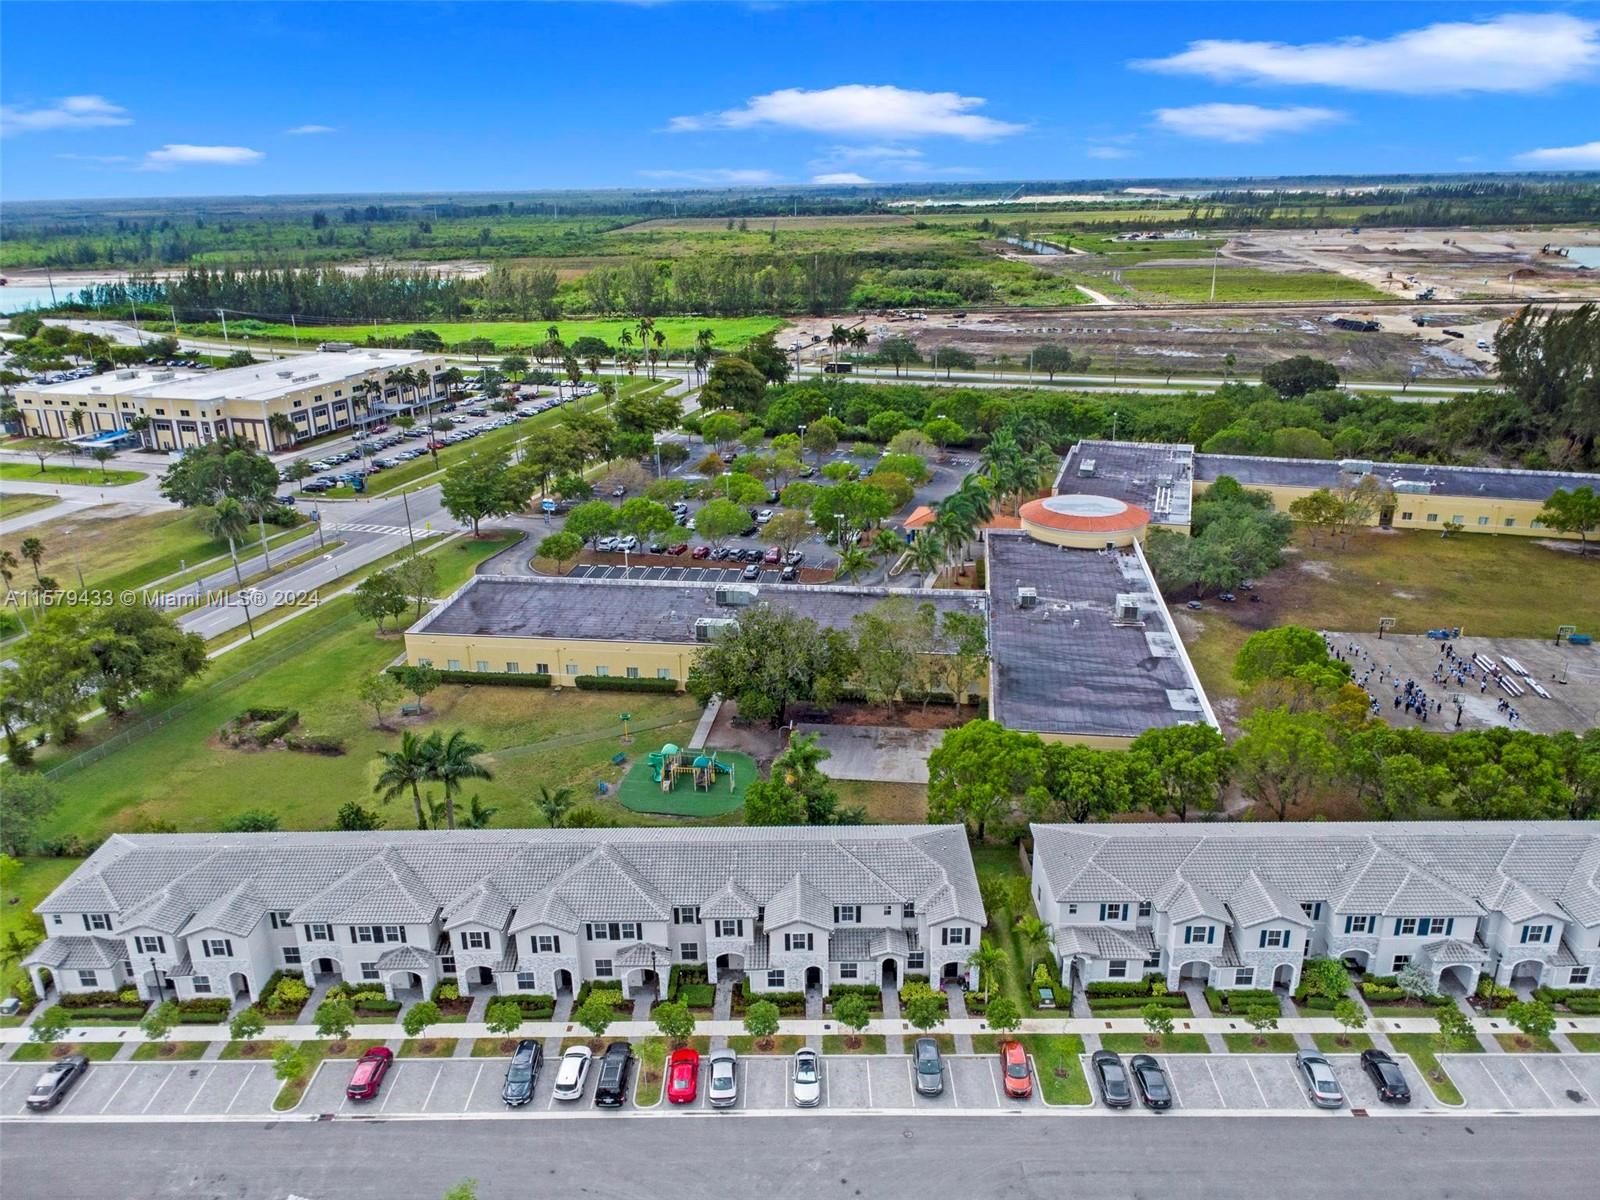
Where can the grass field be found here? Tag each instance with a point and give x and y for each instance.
(730, 332)
(17, 504)
(1587, 1043)
(1353, 1043)
(35, 1052)
(1263, 1043)
(1247, 283)
(1517, 1043)
(85, 476)
(1140, 1043)
(1419, 1046)
(1058, 1063)
(35, 879)
(865, 1043)
(169, 1051)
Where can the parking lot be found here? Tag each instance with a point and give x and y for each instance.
(1526, 1081)
(669, 574)
(1270, 1082)
(150, 1089)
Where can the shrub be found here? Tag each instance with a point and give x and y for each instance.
(621, 683)
(500, 678)
(761, 1021)
(310, 743)
(203, 1010)
(1492, 994)
(90, 999)
(291, 992)
(1117, 987)
(445, 992)
(1236, 1000)
(125, 996)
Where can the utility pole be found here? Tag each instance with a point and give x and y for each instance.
(224, 317)
(1215, 254)
(409, 531)
(174, 313)
(294, 325)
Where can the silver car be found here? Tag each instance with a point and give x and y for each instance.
(572, 1072)
(806, 1078)
(1322, 1085)
(929, 1065)
(722, 1086)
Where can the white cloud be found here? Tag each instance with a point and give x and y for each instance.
(849, 154)
(1516, 52)
(94, 158)
(840, 177)
(1586, 155)
(729, 175)
(301, 130)
(1241, 122)
(1108, 152)
(69, 112)
(857, 109)
(177, 154)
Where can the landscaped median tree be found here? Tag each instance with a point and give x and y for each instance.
(1533, 1019)
(1455, 1029)
(380, 595)
(854, 1013)
(288, 1062)
(761, 1022)
(1003, 1015)
(485, 485)
(597, 1012)
(1263, 1019)
(591, 520)
(48, 1026)
(1352, 1015)
(503, 1016)
(922, 1006)
(675, 1021)
(335, 1019)
(158, 1022)
(1158, 1022)
(419, 1016)
(560, 548)
(247, 1025)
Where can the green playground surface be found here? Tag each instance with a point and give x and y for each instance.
(726, 771)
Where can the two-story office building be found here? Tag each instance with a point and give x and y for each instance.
(537, 911)
(1244, 905)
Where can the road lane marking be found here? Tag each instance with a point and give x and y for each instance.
(389, 1088)
(1172, 1086)
(868, 1065)
(994, 1084)
(240, 1089)
(126, 1075)
(159, 1088)
(1489, 1075)
(201, 1088)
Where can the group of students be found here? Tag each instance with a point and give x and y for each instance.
(1408, 694)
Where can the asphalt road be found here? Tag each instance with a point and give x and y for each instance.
(878, 1158)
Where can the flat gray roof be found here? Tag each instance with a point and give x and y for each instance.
(1157, 476)
(1064, 666)
(1496, 483)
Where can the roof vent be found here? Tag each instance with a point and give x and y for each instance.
(1027, 597)
(1126, 610)
(285, 374)
(1355, 466)
(127, 374)
(1086, 468)
(708, 629)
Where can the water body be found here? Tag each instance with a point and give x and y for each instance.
(1584, 256)
(1036, 247)
(15, 299)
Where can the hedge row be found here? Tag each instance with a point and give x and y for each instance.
(503, 678)
(790, 1004)
(1098, 1004)
(1238, 999)
(1122, 987)
(94, 1000)
(621, 683)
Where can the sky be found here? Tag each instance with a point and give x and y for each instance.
(146, 99)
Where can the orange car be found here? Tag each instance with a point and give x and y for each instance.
(1014, 1066)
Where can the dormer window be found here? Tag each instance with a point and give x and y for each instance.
(847, 914)
(474, 939)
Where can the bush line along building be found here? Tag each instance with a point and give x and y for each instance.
(1244, 905)
(533, 911)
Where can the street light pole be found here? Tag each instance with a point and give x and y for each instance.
(410, 533)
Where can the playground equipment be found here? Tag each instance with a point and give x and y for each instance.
(669, 764)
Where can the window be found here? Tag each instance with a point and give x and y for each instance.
(848, 971)
(689, 952)
(150, 945)
(89, 979)
(602, 968)
(1144, 908)
(547, 943)
(377, 933)
(1433, 518)
(1400, 961)
(291, 956)
(916, 960)
(1458, 519)
(1199, 935)
(1483, 520)
(1359, 924)
(319, 933)
(729, 928)
(216, 948)
(612, 931)
(775, 979)
(201, 985)
(601, 671)
(1431, 925)
(475, 939)
(1536, 524)
(279, 919)
(452, 664)
(633, 672)
(1532, 934)
(513, 669)
(956, 935)
(1312, 909)
(1071, 909)
(1117, 968)
(1405, 516)
(527, 981)
(1153, 961)
(541, 668)
(846, 914)
(686, 914)
(908, 911)
(1405, 926)
(97, 921)
(483, 667)
(1510, 522)
(1580, 975)
(797, 941)
(1113, 912)
(447, 964)
(663, 673)
(1244, 977)
(572, 668)
(1273, 938)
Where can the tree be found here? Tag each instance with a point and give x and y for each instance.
(465, 1189)
(1549, 361)
(48, 1027)
(645, 519)
(485, 485)
(1189, 767)
(380, 595)
(592, 521)
(925, 1008)
(890, 638)
(352, 818)
(1294, 377)
(288, 1061)
(1456, 1033)
(989, 961)
(772, 658)
(1036, 939)
(503, 1016)
(1351, 1015)
(899, 352)
(1577, 511)
(419, 1016)
(795, 791)
(595, 1014)
(418, 680)
(102, 455)
(1051, 357)
(1263, 1018)
(26, 799)
(788, 530)
(453, 760)
(1415, 982)
(1282, 757)
(719, 520)
(1078, 783)
(159, 1021)
(1158, 1021)
(675, 1021)
(761, 1021)
(1327, 977)
(560, 548)
(854, 1013)
(733, 383)
(979, 771)
(228, 520)
(1533, 1019)
(406, 770)
(252, 820)
(953, 358)
(553, 804)
(821, 438)
(1278, 653)
(418, 576)
(335, 1019)
(247, 1025)
(1003, 1015)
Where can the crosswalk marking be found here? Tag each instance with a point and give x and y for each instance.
(358, 527)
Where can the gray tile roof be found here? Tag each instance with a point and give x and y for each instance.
(1102, 941)
(799, 900)
(483, 905)
(77, 953)
(405, 958)
(855, 945)
(1257, 901)
(1183, 901)
(1450, 952)
(237, 912)
(557, 877)
(167, 910)
(1416, 868)
(642, 954)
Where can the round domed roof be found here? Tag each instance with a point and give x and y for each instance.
(1084, 514)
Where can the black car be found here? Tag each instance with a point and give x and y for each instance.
(1151, 1082)
(57, 1081)
(616, 1064)
(1386, 1075)
(523, 1073)
(1112, 1079)
(790, 574)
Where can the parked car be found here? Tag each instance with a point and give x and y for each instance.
(523, 1073)
(751, 572)
(1386, 1074)
(1112, 1079)
(1014, 1066)
(701, 552)
(367, 1078)
(1322, 1085)
(657, 547)
(678, 548)
(794, 558)
(929, 1064)
(57, 1080)
(572, 1072)
(763, 516)
(773, 556)
(611, 1086)
(722, 1083)
(789, 574)
(619, 490)
(1151, 1081)
(628, 543)
(806, 1078)
(606, 544)
(683, 1076)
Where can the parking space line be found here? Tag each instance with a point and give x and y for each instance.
(201, 1088)
(1528, 1071)
(869, 1082)
(389, 1089)
(827, 1070)
(473, 1089)
(1257, 1083)
(994, 1084)
(1567, 1067)
(126, 1075)
(1489, 1075)
(1172, 1086)
(159, 1088)
(438, 1071)
(1220, 1096)
(239, 1091)
(955, 1096)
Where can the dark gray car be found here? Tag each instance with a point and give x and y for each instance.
(522, 1075)
(929, 1065)
(56, 1082)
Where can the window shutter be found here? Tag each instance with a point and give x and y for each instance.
(1450, 926)
(1397, 927)
(1348, 922)
(352, 933)
(558, 943)
(1288, 938)
(1263, 941)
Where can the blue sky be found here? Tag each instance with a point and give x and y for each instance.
(144, 99)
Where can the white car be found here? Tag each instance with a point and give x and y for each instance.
(629, 543)
(806, 1078)
(763, 516)
(572, 1072)
(606, 544)
(722, 1086)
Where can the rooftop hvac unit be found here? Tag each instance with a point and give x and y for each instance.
(1355, 466)
(336, 347)
(1126, 610)
(1086, 468)
(287, 374)
(1412, 487)
(734, 595)
(127, 374)
(708, 629)
(163, 376)
(1027, 597)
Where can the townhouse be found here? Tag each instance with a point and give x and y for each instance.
(533, 911)
(1244, 905)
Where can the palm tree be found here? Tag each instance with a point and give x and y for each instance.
(33, 550)
(1035, 935)
(644, 328)
(282, 428)
(859, 338)
(227, 520)
(553, 803)
(990, 962)
(140, 425)
(76, 418)
(406, 769)
(453, 762)
(8, 570)
(478, 814)
(838, 338)
(853, 562)
(927, 556)
(592, 364)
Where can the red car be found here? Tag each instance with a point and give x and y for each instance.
(701, 552)
(368, 1075)
(1014, 1066)
(683, 1076)
(774, 555)
(435, 444)
(678, 548)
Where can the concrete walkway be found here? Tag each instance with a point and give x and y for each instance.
(893, 1042)
(552, 1043)
(958, 1016)
(722, 1012)
(1201, 1008)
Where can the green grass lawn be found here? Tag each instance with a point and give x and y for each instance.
(39, 1052)
(1247, 283)
(248, 1051)
(85, 476)
(17, 504)
(731, 332)
(865, 1043)
(1058, 1063)
(169, 1051)
(1140, 1043)
(1588, 1043)
(35, 879)
(651, 1071)
(428, 1047)
(783, 1043)
(1262, 1043)
(493, 1047)
(1354, 1043)
(1518, 1043)
(1419, 1047)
